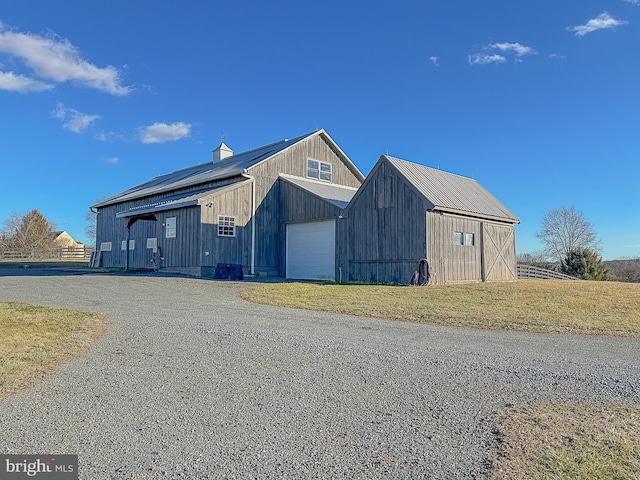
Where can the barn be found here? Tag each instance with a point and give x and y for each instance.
(404, 212)
(268, 211)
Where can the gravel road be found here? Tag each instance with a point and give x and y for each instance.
(192, 382)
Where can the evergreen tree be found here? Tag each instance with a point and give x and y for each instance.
(585, 264)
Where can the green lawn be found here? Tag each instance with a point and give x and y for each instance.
(541, 306)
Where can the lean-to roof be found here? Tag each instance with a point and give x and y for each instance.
(181, 200)
(337, 195)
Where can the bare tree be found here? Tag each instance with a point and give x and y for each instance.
(92, 219)
(31, 234)
(90, 229)
(565, 230)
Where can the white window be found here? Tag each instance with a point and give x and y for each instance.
(105, 246)
(457, 238)
(469, 239)
(226, 226)
(319, 170)
(132, 245)
(152, 244)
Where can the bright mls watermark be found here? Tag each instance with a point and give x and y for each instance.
(49, 467)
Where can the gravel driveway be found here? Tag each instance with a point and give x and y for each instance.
(192, 382)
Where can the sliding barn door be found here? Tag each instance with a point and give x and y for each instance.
(498, 253)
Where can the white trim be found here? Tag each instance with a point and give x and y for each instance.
(226, 226)
(320, 165)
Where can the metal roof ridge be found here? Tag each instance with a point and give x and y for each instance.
(392, 158)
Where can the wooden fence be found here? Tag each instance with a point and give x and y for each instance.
(64, 253)
(531, 272)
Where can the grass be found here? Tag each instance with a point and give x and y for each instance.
(567, 442)
(35, 341)
(539, 306)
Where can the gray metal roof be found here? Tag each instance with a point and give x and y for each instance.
(169, 203)
(450, 192)
(228, 167)
(337, 195)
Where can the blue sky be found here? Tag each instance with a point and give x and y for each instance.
(538, 101)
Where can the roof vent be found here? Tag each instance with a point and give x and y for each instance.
(221, 153)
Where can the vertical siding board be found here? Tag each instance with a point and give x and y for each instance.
(237, 249)
(388, 220)
(453, 263)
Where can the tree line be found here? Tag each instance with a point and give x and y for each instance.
(572, 246)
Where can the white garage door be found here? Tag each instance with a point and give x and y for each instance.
(311, 250)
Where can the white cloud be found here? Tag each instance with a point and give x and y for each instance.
(492, 53)
(55, 59)
(556, 56)
(434, 60)
(520, 50)
(601, 22)
(634, 2)
(162, 132)
(77, 122)
(485, 59)
(113, 160)
(22, 84)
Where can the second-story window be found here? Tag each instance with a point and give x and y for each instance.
(319, 170)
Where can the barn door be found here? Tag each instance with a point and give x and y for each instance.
(498, 252)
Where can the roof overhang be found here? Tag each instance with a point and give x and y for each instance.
(187, 199)
(467, 213)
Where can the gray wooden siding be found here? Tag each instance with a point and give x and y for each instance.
(184, 249)
(293, 161)
(270, 232)
(112, 229)
(270, 236)
(235, 202)
(453, 263)
(383, 236)
(298, 205)
(181, 251)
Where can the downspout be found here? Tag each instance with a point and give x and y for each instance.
(253, 222)
(126, 260)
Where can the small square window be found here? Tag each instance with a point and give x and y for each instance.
(226, 226)
(457, 238)
(469, 239)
